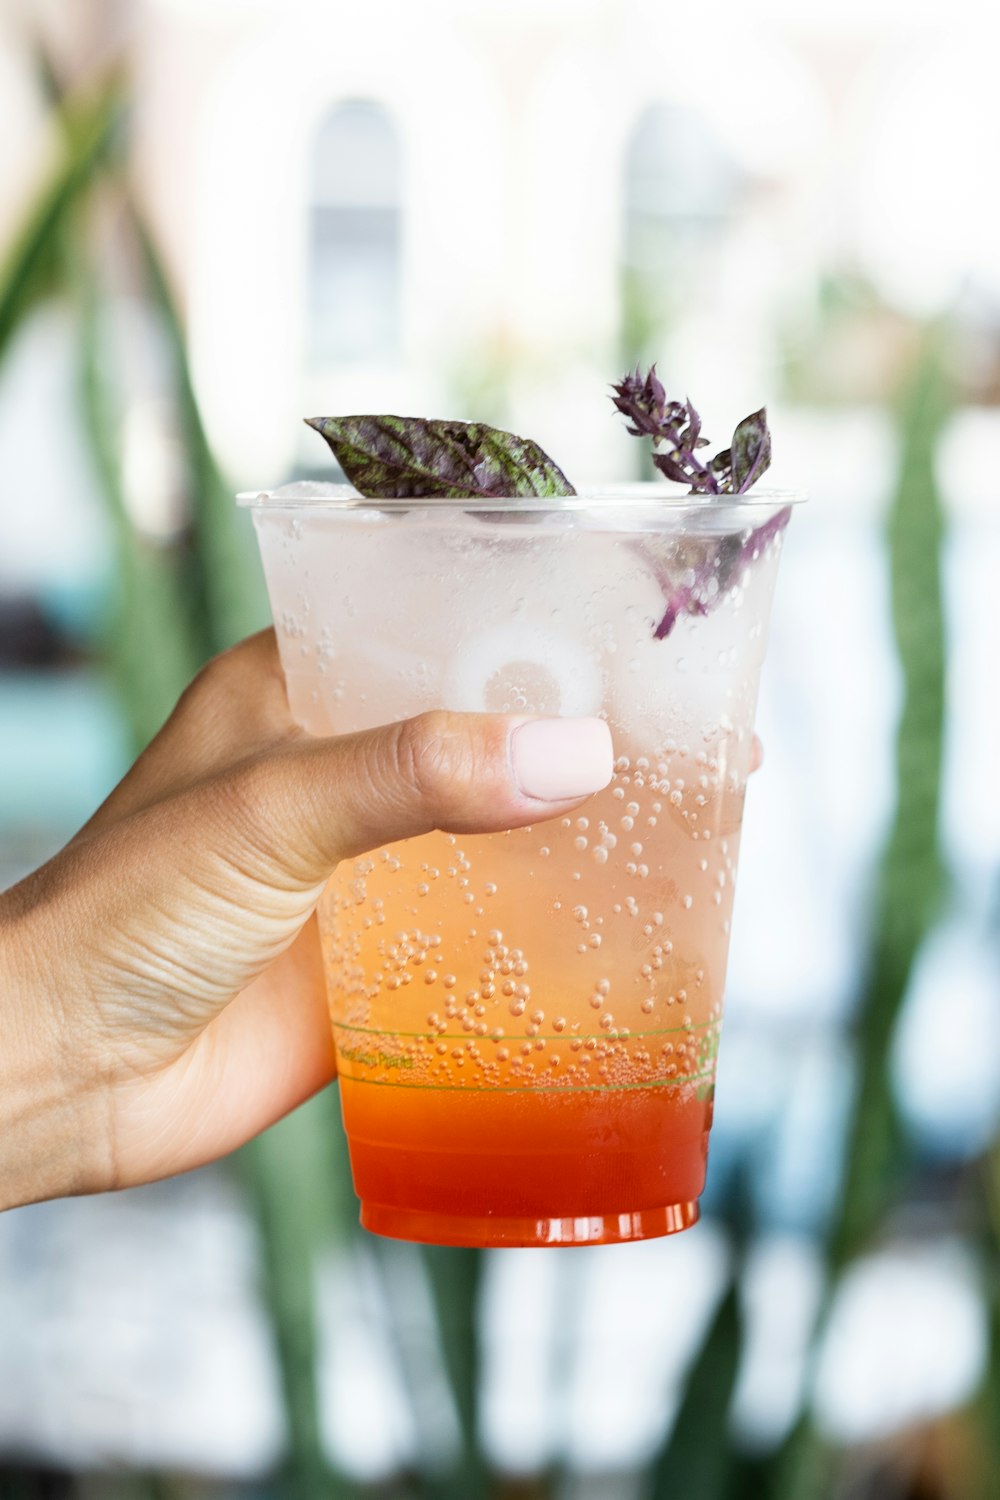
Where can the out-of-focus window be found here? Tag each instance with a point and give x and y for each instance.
(355, 224)
(681, 188)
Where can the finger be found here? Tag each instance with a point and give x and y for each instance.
(236, 706)
(756, 754)
(303, 809)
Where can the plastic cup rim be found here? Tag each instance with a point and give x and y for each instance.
(646, 497)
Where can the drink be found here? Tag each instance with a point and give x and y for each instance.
(527, 1022)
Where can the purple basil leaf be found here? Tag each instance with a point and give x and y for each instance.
(751, 451)
(675, 428)
(716, 562)
(653, 390)
(722, 467)
(668, 464)
(693, 429)
(387, 457)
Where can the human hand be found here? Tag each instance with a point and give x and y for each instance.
(163, 995)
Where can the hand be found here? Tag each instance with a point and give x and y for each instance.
(163, 997)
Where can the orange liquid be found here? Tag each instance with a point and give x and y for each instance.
(526, 1169)
(527, 1023)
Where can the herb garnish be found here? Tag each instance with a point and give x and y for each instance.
(387, 457)
(675, 430)
(677, 426)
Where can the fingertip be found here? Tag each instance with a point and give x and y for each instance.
(560, 760)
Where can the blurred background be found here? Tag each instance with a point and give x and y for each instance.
(218, 216)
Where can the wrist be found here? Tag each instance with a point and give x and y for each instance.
(45, 1143)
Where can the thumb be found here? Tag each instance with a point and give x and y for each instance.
(319, 801)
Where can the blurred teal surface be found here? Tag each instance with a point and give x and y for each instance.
(63, 745)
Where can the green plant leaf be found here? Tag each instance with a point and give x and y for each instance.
(455, 1277)
(299, 1183)
(226, 571)
(911, 882)
(912, 878)
(151, 645)
(87, 136)
(697, 1462)
(388, 457)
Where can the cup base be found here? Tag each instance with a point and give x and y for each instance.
(489, 1232)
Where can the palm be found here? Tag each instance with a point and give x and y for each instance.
(195, 1080)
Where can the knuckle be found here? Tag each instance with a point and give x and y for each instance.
(251, 657)
(209, 684)
(432, 757)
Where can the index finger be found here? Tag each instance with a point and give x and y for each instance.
(235, 707)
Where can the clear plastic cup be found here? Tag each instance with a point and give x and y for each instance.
(527, 1023)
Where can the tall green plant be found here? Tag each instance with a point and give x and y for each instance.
(33, 267)
(226, 571)
(297, 1175)
(176, 602)
(151, 645)
(911, 881)
(910, 884)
